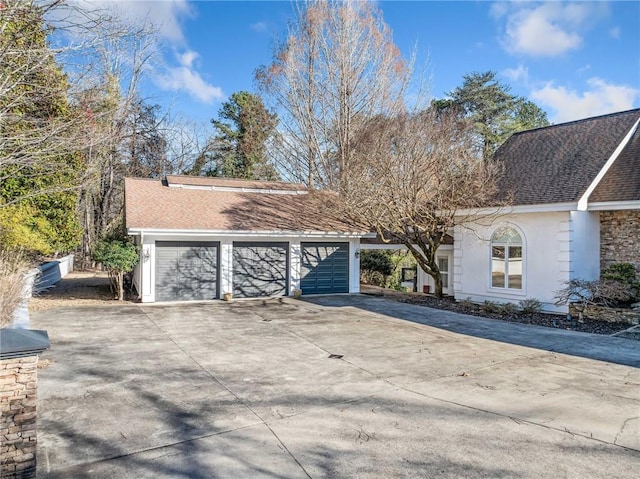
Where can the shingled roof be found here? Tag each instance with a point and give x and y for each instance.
(217, 204)
(622, 181)
(557, 164)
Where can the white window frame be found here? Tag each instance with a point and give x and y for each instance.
(445, 286)
(506, 245)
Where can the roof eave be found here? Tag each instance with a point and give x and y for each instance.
(137, 231)
(614, 205)
(513, 209)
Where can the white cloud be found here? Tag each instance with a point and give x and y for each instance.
(583, 69)
(519, 74)
(544, 29)
(259, 27)
(185, 78)
(180, 73)
(182, 78)
(187, 58)
(166, 16)
(599, 98)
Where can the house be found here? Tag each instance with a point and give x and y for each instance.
(200, 238)
(574, 196)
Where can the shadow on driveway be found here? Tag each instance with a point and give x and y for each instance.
(585, 345)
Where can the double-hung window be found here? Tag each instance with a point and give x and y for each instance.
(506, 259)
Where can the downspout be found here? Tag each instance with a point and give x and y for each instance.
(583, 203)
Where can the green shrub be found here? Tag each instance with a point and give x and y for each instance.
(623, 272)
(508, 309)
(375, 266)
(625, 278)
(491, 307)
(468, 305)
(530, 306)
(117, 257)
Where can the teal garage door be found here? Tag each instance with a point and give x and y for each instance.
(324, 268)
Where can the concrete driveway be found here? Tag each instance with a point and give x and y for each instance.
(346, 386)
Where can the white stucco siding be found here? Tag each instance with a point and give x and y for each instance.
(547, 256)
(147, 276)
(585, 245)
(444, 251)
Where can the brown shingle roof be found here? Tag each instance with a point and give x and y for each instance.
(154, 204)
(622, 181)
(557, 164)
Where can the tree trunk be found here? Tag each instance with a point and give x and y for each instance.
(437, 279)
(120, 286)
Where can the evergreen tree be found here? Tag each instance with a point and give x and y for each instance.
(38, 163)
(494, 111)
(239, 149)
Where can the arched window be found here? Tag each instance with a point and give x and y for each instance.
(506, 259)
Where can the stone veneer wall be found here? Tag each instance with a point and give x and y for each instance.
(620, 238)
(611, 315)
(18, 386)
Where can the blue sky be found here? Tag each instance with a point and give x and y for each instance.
(574, 59)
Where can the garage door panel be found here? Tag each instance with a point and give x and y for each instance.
(324, 268)
(186, 271)
(260, 269)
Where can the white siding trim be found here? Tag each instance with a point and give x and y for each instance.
(247, 235)
(583, 203)
(615, 205)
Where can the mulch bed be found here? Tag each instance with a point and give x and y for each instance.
(548, 320)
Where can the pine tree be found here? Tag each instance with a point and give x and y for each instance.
(243, 127)
(495, 112)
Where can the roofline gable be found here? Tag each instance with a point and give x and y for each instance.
(583, 202)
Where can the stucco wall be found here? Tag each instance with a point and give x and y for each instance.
(585, 245)
(620, 237)
(547, 252)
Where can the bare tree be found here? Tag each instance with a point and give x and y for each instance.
(413, 178)
(337, 69)
(189, 146)
(108, 96)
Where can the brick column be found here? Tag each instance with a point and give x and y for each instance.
(19, 350)
(18, 386)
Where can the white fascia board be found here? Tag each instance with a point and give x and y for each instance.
(615, 205)
(396, 246)
(242, 189)
(583, 203)
(507, 210)
(247, 234)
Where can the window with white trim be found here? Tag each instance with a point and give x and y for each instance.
(506, 259)
(443, 266)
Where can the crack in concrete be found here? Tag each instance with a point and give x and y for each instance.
(624, 425)
(233, 393)
(521, 420)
